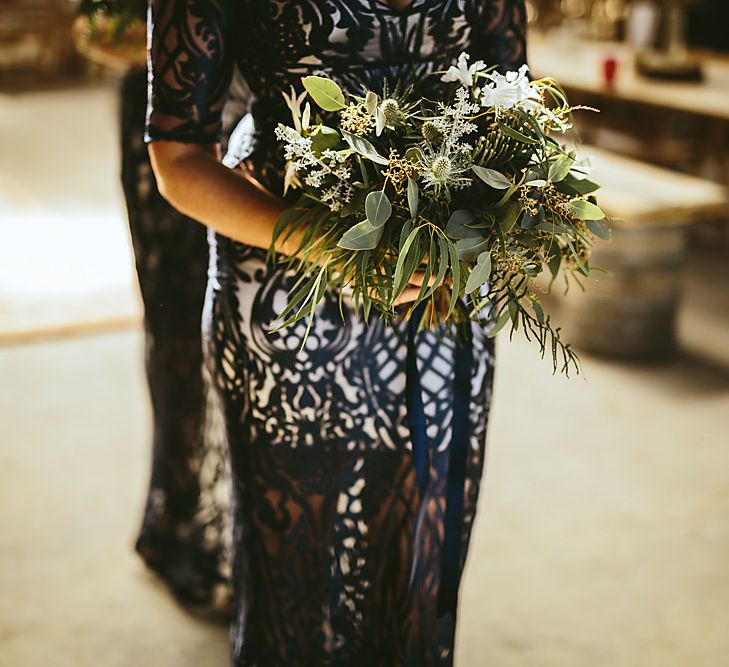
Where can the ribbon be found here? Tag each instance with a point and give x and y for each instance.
(457, 453)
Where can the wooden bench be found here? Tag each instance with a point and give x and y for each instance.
(633, 313)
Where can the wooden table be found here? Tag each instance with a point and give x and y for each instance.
(577, 65)
(642, 195)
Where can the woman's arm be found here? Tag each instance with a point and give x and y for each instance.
(193, 180)
(191, 54)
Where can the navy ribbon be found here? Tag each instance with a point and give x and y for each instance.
(457, 453)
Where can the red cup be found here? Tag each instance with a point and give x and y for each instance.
(609, 71)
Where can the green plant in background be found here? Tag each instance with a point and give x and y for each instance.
(118, 15)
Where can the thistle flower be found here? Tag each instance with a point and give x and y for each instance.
(390, 110)
(388, 115)
(441, 168)
(431, 132)
(444, 166)
(443, 172)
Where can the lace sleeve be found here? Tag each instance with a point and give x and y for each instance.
(190, 64)
(498, 35)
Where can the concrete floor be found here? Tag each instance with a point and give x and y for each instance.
(60, 190)
(602, 540)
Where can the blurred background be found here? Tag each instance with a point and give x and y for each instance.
(603, 533)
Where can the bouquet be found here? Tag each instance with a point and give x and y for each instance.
(472, 191)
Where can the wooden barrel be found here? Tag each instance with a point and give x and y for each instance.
(631, 313)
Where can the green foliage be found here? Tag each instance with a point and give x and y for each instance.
(586, 210)
(480, 272)
(364, 148)
(492, 177)
(479, 221)
(363, 236)
(120, 13)
(377, 208)
(327, 94)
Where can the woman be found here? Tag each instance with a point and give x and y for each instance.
(183, 532)
(185, 523)
(337, 555)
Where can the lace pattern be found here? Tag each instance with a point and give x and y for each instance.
(185, 527)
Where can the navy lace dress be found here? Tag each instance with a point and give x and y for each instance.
(183, 536)
(337, 554)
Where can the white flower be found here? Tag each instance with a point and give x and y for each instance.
(293, 102)
(328, 172)
(455, 121)
(509, 90)
(463, 72)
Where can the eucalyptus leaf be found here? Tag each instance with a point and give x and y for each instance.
(529, 221)
(513, 313)
(324, 138)
(555, 263)
(363, 236)
(442, 266)
(456, 277)
(479, 273)
(413, 197)
(511, 216)
(559, 169)
(515, 134)
(400, 279)
(500, 323)
(579, 186)
(457, 225)
(364, 147)
(599, 228)
(470, 249)
(539, 312)
(377, 208)
(327, 94)
(407, 227)
(414, 154)
(585, 210)
(492, 177)
(427, 274)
